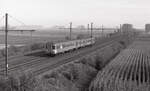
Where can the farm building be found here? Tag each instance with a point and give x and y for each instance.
(127, 27)
(147, 27)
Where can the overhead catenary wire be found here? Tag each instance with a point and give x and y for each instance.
(91, 29)
(1, 19)
(70, 30)
(6, 38)
(17, 20)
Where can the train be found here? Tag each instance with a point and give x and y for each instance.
(62, 47)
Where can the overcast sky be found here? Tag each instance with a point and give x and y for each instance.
(80, 12)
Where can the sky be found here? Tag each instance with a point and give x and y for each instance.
(47, 13)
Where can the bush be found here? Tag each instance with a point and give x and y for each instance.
(96, 62)
(67, 38)
(24, 82)
(36, 46)
(88, 61)
(56, 82)
(80, 36)
(79, 74)
(13, 50)
(84, 77)
(99, 62)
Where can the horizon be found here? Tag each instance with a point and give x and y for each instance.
(48, 13)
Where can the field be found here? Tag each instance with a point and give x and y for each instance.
(22, 42)
(40, 36)
(24, 39)
(129, 71)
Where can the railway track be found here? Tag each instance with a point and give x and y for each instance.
(44, 68)
(39, 65)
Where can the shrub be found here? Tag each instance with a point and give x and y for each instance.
(67, 38)
(88, 61)
(24, 82)
(99, 62)
(81, 36)
(85, 75)
(57, 82)
(36, 46)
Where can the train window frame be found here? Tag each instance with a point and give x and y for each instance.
(58, 47)
(53, 47)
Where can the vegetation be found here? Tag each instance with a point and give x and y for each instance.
(129, 71)
(24, 82)
(79, 74)
(74, 76)
(81, 36)
(13, 50)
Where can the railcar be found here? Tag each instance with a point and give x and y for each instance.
(61, 47)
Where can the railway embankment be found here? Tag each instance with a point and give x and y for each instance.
(74, 76)
(81, 72)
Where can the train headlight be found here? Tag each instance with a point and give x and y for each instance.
(61, 47)
(55, 51)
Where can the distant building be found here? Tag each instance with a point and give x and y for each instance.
(127, 27)
(29, 27)
(80, 27)
(9, 27)
(58, 27)
(147, 27)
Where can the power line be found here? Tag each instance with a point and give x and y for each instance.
(91, 29)
(2, 18)
(70, 30)
(17, 20)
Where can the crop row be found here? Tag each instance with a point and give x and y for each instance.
(129, 71)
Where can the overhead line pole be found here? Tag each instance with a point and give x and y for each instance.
(70, 30)
(6, 46)
(120, 28)
(92, 30)
(88, 28)
(102, 31)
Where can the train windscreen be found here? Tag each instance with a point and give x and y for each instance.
(53, 47)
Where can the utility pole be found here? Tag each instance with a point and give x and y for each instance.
(88, 28)
(70, 30)
(6, 49)
(92, 30)
(31, 36)
(102, 30)
(120, 28)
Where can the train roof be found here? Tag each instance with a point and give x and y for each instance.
(63, 41)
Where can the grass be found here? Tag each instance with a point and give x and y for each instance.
(24, 82)
(13, 50)
(25, 38)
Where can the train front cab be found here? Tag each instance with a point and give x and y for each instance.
(50, 49)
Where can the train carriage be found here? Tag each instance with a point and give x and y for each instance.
(65, 46)
(61, 47)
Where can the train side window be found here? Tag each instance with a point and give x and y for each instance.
(58, 47)
(53, 47)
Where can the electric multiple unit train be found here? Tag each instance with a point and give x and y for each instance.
(61, 47)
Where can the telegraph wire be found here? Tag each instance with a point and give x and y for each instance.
(2, 18)
(17, 20)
